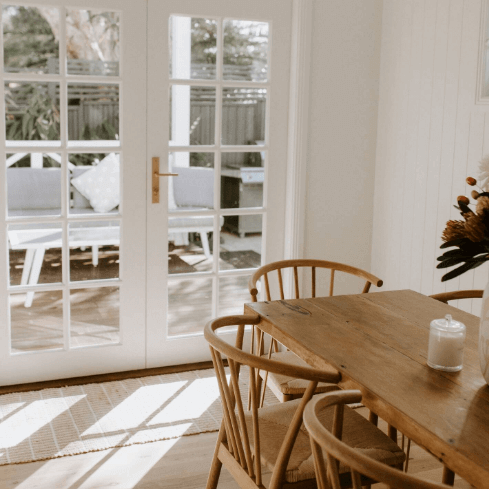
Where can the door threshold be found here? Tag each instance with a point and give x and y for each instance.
(95, 379)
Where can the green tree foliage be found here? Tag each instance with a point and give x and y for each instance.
(28, 38)
(39, 120)
(243, 42)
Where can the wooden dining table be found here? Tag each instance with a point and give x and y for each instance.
(379, 343)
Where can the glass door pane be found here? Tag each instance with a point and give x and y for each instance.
(198, 196)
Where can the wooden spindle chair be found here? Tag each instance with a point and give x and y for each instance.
(272, 436)
(286, 388)
(336, 460)
(458, 294)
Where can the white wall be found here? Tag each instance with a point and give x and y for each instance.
(342, 130)
(431, 136)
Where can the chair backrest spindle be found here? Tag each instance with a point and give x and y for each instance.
(313, 281)
(241, 416)
(267, 287)
(217, 361)
(256, 427)
(280, 284)
(296, 283)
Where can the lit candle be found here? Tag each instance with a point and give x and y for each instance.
(446, 344)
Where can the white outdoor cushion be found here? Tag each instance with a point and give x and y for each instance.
(79, 201)
(100, 185)
(34, 189)
(194, 187)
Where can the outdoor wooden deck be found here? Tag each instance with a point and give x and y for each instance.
(94, 312)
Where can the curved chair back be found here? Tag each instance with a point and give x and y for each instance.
(329, 443)
(313, 265)
(458, 294)
(234, 439)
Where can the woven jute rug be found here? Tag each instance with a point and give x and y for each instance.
(51, 423)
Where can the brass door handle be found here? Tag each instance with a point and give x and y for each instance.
(156, 178)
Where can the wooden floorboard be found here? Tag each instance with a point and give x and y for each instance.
(169, 464)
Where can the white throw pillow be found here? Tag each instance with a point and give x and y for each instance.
(100, 185)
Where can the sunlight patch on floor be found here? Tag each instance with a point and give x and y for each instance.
(5, 410)
(191, 403)
(135, 410)
(14, 430)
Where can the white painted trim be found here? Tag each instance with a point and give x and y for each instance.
(298, 125)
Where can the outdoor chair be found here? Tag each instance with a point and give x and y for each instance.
(192, 190)
(272, 436)
(339, 461)
(36, 192)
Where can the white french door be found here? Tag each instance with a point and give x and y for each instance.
(101, 270)
(218, 90)
(72, 206)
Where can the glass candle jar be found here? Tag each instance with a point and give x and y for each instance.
(446, 344)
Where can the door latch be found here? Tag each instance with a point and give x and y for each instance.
(155, 175)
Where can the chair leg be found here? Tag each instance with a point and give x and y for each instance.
(448, 476)
(392, 433)
(216, 464)
(373, 418)
(408, 449)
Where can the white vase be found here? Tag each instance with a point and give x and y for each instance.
(484, 335)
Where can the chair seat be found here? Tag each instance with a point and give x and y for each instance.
(288, 385)
(358, 433)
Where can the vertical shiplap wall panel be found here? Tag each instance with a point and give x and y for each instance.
(466, 165)
(384, 174)
(475, 153)
(423, 143)
(396, 153)
(447, 164)
(429, 236)
(431, 136)
(409, 179)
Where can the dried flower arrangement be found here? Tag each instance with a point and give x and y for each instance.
(471, 236)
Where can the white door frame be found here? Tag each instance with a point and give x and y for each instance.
(300, 71)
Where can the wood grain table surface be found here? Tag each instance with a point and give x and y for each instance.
(379, 344)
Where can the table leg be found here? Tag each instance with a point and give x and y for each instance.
(34, 276)
(448, 476)
(26, 271)
(205, 245)
(95, 256)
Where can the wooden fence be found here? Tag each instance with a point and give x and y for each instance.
(91, 104)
